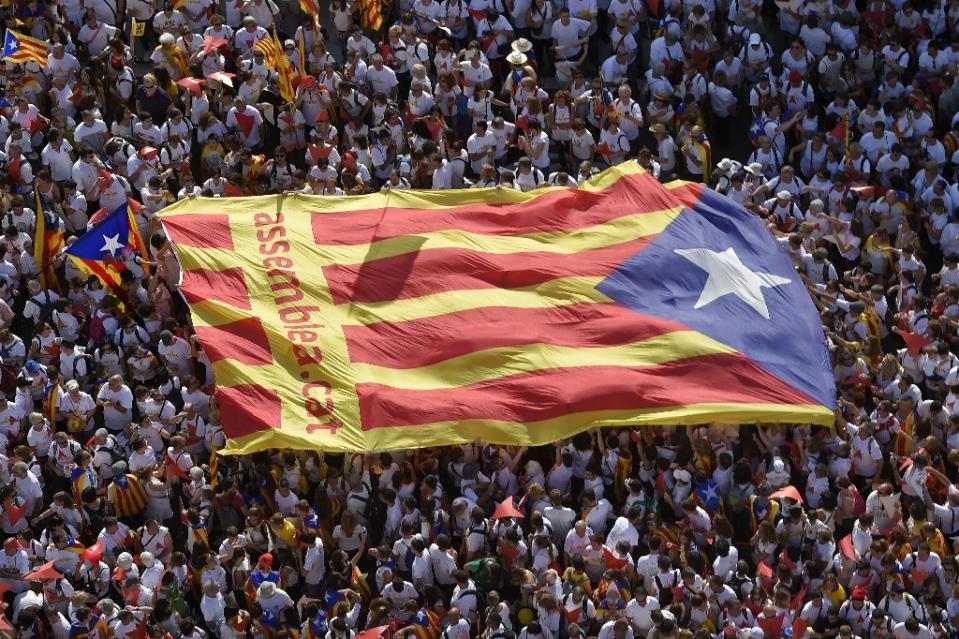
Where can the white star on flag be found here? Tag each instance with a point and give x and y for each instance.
(729, 276)
(111, 244)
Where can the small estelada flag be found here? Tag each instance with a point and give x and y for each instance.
(138, 28)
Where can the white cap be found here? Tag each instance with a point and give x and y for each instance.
(125, 560)
(682, 475)
(755, 38)
(147, 559)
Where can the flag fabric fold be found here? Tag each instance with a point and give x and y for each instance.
(419, 318)
(104, 249)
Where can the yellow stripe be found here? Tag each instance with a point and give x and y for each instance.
(405, 198)
(627, 227)
(558, 292)
(611, 175)
(492, 363)
(534, 433)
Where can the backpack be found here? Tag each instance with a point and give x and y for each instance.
(484, 529)
(87, 359)
(430, 51)
(8, 379)
(666, 594)
(97, 330)
(139, 333)
(46, 308)
(112, 448)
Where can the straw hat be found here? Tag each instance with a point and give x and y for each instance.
(266, 590)
(516, 58)
(522, 45)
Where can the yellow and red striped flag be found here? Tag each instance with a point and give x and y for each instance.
(20, 48)
(271, 49)
(48, 241)
(127, 495)
(214, 468)
(424, 318)
(310, 8)
(284, 71)
(371, 14)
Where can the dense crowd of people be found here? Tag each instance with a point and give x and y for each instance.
(119, 522)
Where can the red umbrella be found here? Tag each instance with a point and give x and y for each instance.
(224, 77)
(210, 43)
(507, 509)
(789, 492)
(914, 342)
(193, 84)
(44, 572)
(94, 552)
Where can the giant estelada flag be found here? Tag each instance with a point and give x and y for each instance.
(419, 318)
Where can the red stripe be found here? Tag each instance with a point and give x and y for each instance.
(454, 269)
(227, 286)
(425, 341)
(557, 210)
(200, 230)
(243, 340)
(688, 193)
(252, 408)
(37, 49)
(110, 279)
(555, 392)
(135, 239)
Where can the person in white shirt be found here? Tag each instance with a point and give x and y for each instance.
(58, 156)
(912, 629)
(397, 593)
(248, 122)
(616, 629)
(465, 596)
(723, 103)
(615, 68)
(213, 605)
(116, 398)
(569, 37)
(442, 173)
(537, 145)
(314, 567)
(272, 598)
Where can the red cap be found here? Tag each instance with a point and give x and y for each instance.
(266, 559)
(148, 153)
(795, 76)
(859, 593)
(116, 62)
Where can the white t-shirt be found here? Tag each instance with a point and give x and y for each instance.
(112, 418)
